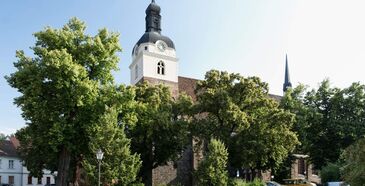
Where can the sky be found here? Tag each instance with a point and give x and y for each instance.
(322, 38)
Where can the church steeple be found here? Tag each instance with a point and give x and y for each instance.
(153, 28)
(287, 83)
(153, 18)
(154, 56)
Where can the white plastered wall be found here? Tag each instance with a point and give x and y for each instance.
(147, 57)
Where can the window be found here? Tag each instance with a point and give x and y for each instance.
(161, 68)
(301, 166)
(11, 164)
(0, 166)
(0, 179)
(39, 181)
(48, 180)
(30, 180)
(136, 72)
(146, 48)
(11, 179)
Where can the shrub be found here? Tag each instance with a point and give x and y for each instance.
(212, 170)
(239, 182)
(330, 172)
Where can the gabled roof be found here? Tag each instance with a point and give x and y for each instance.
(276, 97)
(187, 86)
(8, 147)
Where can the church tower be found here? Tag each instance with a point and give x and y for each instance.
(154, 57)
(287, 83)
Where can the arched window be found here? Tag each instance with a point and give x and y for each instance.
(161, 68)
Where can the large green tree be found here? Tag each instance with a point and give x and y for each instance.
(294, 101)
(63, 100)
(119, 166)
(240, 112)
(160, 134)
(327, 119)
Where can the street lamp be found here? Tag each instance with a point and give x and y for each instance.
(99, 157)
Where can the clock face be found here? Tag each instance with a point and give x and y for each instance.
(161, 46)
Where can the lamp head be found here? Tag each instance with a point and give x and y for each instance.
(99, 155)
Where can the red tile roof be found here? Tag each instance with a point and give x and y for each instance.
(187, 86)
(8, 147)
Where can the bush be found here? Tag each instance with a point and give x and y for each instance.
(354, 166)
(330, 172)
(239, 182)
(213, 169)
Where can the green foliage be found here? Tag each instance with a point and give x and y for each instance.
(66, 98)
(170, 184)
(161, 131)
(239, 182)
(213, 169)
(327, 119)
(257, 182)
(294, 101)
(119, 165)
(330, 172)
(354, 166)
(240, 112)
(284, 170)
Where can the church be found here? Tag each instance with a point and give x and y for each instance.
(154, 60)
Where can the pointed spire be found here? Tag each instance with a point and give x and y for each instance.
(287, 83)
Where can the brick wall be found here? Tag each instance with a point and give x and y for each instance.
(174, 87)
(178, 172)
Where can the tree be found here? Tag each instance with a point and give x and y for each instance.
(119, 166)
(294, 101)
(240, 112)
(354, 168)
(322, 133)
(327, 119)
(160, 133)
(63, 100)
(213, 169)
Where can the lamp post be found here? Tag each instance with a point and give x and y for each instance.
(99, 157)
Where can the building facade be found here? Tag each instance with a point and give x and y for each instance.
(13, 172)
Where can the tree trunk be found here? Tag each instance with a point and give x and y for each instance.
(63, 167)
(147, 167)
(147, 177)
(78, 170)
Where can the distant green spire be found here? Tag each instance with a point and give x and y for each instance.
(287, 83)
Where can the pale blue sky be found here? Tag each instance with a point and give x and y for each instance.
(323, 38)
